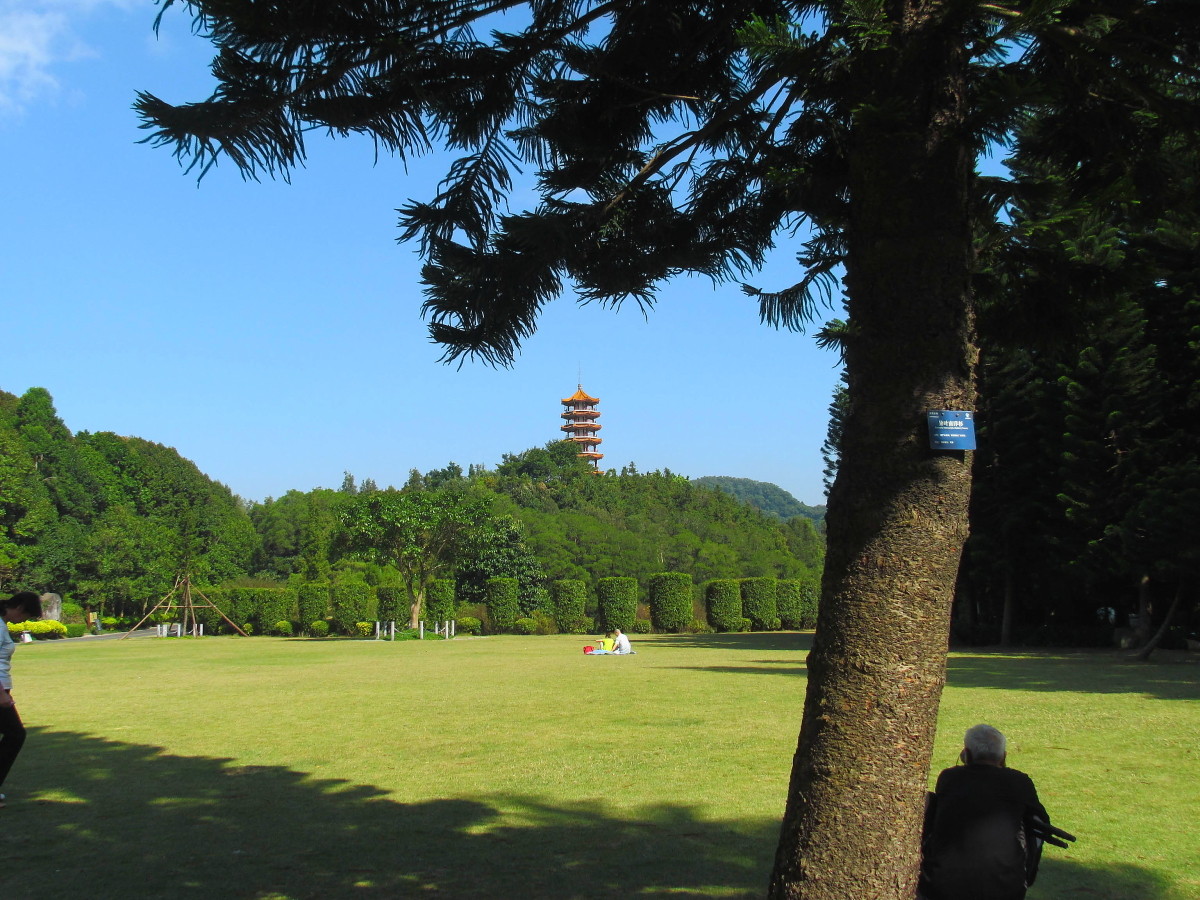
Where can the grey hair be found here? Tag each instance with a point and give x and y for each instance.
(985, 743)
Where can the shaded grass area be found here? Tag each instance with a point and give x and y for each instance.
(518, 767)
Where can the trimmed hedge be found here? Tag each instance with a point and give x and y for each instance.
(440, 600)
(797, 602)
(312, 597)
(502, 596)
(671, 601)
(723, 605)
(568, 603)
(616, 603)
(39, 629)
(269, 607)
(760, 603)
(351, 605)
(393, 604)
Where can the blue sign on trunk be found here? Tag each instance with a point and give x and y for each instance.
(952, 429)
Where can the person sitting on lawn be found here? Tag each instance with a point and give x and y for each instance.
(602, 646)
(977, 844)
(621, 643)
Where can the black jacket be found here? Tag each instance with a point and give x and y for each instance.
(975, 844)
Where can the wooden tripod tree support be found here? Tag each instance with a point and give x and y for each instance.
(185, 602)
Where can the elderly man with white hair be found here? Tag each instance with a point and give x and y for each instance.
(977, 845)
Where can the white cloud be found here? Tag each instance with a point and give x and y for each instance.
(36, 36)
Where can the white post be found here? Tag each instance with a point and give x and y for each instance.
(377, 627)
(392, 628)
(422, 629)
(453, 627)
(201, 627)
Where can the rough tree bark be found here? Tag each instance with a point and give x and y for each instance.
(897, 511)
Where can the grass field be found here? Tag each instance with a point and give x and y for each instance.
(513, 767)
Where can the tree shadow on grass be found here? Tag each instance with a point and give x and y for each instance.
(753, 641)
(1173, 677)
(124, 820)
(1062, 879)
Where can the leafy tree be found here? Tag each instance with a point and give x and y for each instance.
(496, 548)
(422, 533)
(686, 142)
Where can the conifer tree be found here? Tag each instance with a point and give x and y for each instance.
(687, 139)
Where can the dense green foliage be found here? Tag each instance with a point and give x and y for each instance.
(502, 606)
(723, 605)
(351, 602)
(616, 603)
(109, 519)
(391, 604)
(760, 603)
(312, 601)
(440, 600)
(671, 601)
(568, 602)
(796, 602)
(770, 498)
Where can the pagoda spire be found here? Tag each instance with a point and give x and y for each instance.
(580, 415)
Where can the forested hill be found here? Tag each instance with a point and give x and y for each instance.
(105, 517)
(110, 521)
(770, 498)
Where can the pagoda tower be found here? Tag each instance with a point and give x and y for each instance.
(581, 414)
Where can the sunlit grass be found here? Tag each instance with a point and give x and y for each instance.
(519, 767)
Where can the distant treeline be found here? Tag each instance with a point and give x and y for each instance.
(109, 522)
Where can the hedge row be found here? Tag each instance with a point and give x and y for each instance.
(671, 601)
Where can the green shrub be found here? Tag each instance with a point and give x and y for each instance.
(759, 603)
(617, 603)
(76, 629)
(71, 613)
(699, 626)
(797, 602)
(642, 626)
(393, 604)
(810, 598)
(546, 623)
(787, 602)
(312, 598)
(283, 629)
(525, 626)
(440, 600)
(502, 597)
(568, 603)
(351, 605)
(670, 601)
(248, 628)
(267, 606)
(468, 625)
(723, 604)
(364, 629)
(318, 628)
(39, 629)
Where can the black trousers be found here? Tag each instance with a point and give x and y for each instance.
(12, 738)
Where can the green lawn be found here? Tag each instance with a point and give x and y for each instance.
(514, 767)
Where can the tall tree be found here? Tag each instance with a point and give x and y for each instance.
(422, 533)
(685, 138)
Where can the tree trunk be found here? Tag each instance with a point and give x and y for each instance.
(1141, 633)
(898, 511)
(1006, 617)
(1144, 653)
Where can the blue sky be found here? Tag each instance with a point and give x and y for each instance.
(271, 333)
